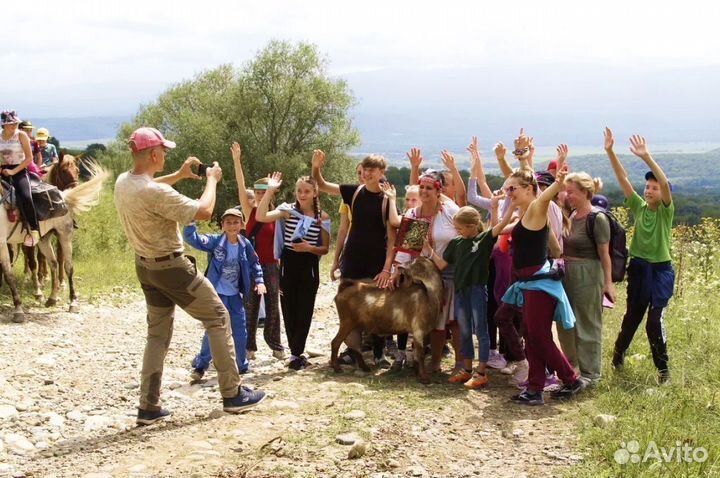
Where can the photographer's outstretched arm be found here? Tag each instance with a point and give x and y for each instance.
(207, 200)
(185, 172)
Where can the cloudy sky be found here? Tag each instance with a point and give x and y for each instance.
(108, 57)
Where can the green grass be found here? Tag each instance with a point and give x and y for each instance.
(687, 411)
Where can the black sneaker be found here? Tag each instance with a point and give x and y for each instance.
(618, 360)
(568, 390)
(528, 398)
(298, 363)
(148, 417)
(244, 400)
(346, 357)
(664, 377)
(261, 322)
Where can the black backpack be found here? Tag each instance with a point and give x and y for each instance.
(618, 242)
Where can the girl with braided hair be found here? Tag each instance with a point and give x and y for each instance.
(302, 235)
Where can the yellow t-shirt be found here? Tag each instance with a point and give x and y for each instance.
(345, 209)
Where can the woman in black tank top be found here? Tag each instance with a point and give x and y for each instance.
(530, 241)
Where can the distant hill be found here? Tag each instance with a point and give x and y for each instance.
(689, 173)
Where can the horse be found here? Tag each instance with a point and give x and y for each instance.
(64, 174)
(78, 199)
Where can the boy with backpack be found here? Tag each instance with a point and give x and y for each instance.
(650, 274)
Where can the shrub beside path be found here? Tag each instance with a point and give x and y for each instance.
(69, 386)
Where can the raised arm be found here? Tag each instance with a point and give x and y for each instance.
(460, 192)
(236, 153)
(531, 152)
(562, 154)
(185, 172)
(618, 169)
(500, 151)
(318, 161)
(477, 173)
(639, 148)
(415, 158)
(522, 150)
(262, 214)
(536, 216)
(390, 193)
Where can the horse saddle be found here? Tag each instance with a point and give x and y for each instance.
(47, 198)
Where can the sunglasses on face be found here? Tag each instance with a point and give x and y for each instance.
(512, 189)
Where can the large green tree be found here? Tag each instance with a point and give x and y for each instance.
(279, 107)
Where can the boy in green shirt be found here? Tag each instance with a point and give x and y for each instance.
(650, 275)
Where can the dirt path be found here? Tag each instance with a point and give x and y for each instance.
(69, 385)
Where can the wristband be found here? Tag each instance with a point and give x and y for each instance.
(385, 270)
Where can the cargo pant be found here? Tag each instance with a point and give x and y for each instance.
(582, 345)
(174, 282)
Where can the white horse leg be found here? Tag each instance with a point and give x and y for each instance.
(66, 246)
(47, 250)
(18, 313)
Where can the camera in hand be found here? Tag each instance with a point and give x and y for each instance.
(202, 170)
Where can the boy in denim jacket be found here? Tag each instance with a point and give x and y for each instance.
(231, 261)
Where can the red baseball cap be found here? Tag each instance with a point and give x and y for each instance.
(552, 165)
(144, 138)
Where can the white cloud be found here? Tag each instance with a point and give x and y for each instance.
(135, 45)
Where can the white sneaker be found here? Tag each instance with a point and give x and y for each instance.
(509, 369)
(250, 354)
(279, 354)
(521, 373)
(496, 360)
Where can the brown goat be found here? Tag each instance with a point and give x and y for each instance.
(413, 306)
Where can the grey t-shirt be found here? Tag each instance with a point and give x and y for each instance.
(578, 243)
(151, 214)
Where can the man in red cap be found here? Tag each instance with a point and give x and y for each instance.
(151, 211)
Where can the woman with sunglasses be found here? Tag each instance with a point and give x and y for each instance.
(542, 299)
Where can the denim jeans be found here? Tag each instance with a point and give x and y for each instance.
(234, 305)
(471, 315)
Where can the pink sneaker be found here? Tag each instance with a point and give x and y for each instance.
(496, 360)
(521, 373)
(552, 383)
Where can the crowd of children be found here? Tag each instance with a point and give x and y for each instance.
(544, 258)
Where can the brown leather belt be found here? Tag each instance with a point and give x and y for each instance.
(162, 258)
